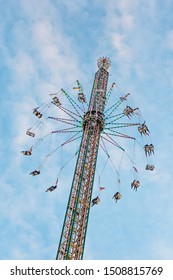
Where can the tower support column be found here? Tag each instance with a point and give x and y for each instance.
(72, 240)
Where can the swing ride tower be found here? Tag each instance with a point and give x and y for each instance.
(98, 123)
(72, 240)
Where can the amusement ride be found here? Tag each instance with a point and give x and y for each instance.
(94, 124)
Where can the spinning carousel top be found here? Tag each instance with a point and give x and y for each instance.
(103, 62)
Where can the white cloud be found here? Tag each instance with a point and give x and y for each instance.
(121, 47)
(41, 58)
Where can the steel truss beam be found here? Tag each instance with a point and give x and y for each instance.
(72, 240)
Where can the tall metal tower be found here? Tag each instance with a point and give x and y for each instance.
(72, 240)
(94, 126)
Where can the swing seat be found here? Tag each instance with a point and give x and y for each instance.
(37, 114)
(81, 97)
(26, 153)
(56, 101)
(30, 133)
(35, 172)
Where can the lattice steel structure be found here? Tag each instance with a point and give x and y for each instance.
(72, 240)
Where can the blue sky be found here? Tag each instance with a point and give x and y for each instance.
(48, 45)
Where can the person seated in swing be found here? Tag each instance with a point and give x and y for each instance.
(51, 189)
(147, 149)
(128, 111)
(135, 184)
(117, 196)
(27, 153)
(95, 200)
(35, 172)
(143, 129)
(151, 147)
(147, 167)
(81, 97)
(122, 98)
(28, 132)
(37, 113)
(150, 167)
(56, 101)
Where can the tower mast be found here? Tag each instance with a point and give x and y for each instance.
(72, 240)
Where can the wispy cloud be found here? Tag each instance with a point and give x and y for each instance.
(44, 51)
